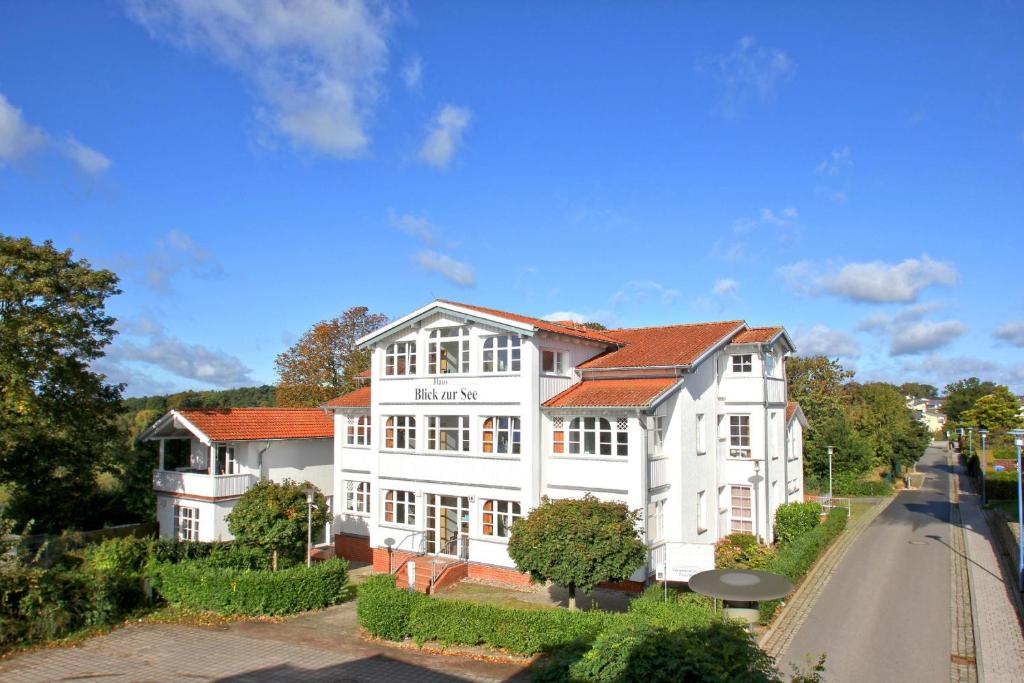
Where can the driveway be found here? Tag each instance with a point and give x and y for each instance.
(320, 646)
(885, 613)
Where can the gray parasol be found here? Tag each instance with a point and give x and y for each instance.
(740, 585)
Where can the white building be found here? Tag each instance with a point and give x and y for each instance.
(223, 453)
(470, 415)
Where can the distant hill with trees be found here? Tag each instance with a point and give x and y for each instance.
(264, 396)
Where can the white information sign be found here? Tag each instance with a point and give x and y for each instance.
(683, 560)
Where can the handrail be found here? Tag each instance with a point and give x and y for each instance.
(398, 546)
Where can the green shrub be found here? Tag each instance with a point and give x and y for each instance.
(795, 519)
(203, 585)
(680, 609)
(1001, 485)
(849, 484)
(634, 651)
(797, 556)
(383, 608)
(523, 632)
(742, 551)
(126, 555)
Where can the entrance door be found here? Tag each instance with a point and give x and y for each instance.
(447, 525)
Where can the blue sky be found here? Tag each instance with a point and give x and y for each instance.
(853, 173)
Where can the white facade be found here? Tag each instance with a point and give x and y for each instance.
(674, 457)
(193, 501)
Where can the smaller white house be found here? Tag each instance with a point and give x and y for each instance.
(209, 457)
(796, 423)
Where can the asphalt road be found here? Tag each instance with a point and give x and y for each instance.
(885, 613)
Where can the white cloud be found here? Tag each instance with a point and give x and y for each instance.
(872, 282)
(414, 226)
(147, 343)
(315, 65)
(837, 162)
(445, 135)
(749, 73)
(19, 139)
(643, 291)
(456, 271)
(821, 340)
(725, 286)
(412, 73)
(910, 333)
(941, 370)
(783, 225)
(1012, 333)
(176, 252)
(833, 195)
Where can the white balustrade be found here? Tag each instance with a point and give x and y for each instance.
(201, 484)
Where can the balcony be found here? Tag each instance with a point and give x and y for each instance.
(201, 484)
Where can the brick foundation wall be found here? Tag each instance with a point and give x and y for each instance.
(352, 547)
(487, 572)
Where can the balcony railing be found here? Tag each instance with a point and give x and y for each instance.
(657, 472)
(202, 484)
(776, 390)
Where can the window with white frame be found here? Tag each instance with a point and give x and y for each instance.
(400, 358)
(595, 436)
(186, 523)
(448, 351)
(702, 436)
(660, 423)
(501, 435)
(552, 362)
(743, 363)
(400, 432)
(400, 507)
(358, 430)
(702, 512)
(655, 520)
(448, 432)
(357, 496)
(498, 517)
(226, 462)
(501, 353)
(739, 436)
(741, 520)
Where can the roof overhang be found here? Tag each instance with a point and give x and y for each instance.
(174, 421)
(466, 314)
(798, 414)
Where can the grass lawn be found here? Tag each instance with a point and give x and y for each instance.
(491, 595)
(858, 509)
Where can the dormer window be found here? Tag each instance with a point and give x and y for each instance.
(501, 353)
(551, 362)
(448, 351)
(400, 359)
(743, 363)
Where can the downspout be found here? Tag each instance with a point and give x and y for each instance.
(767, 458)
(259, 460)
(641, 417)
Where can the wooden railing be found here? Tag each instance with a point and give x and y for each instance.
(203, 485)
(657, 472)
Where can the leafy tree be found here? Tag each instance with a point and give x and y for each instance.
(274, 516)
(853, 454)
(594, 326)
(963, 394)
(880, 415)
(56, 414)
(817, 383)
(578, 543)
(324, 362)
(996, 412)
(918, 390)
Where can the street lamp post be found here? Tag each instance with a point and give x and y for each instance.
(984, 463)
(830, 450)
(309, 527)
(1018, 441)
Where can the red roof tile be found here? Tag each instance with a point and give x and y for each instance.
(756, 334)
(611, 392)
(672, 345)
(360, 398)
(255, 424)
(564, 327)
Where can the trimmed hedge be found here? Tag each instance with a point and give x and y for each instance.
(383, 608)
(795, 519)
(681, 610)
(202, 585)
(742, 551)
(796, 557)
(1001, 485)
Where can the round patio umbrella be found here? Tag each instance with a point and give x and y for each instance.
(740, 585)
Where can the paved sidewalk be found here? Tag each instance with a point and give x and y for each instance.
(319, 646)
(999, 641)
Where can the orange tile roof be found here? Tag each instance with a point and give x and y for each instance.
(364, 373)
(754, 335)
(256, 424)
(564, 327)
(672, 345)
(360, 398)
(791, 410)
(595, 393)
